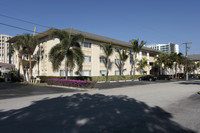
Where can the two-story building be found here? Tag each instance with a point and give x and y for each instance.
(93, 64)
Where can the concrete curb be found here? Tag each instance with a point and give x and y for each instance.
(68, 87)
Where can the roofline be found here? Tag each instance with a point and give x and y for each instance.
(89, 36)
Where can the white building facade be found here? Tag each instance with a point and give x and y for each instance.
(167, 48)
(4, 50)
(93, 64)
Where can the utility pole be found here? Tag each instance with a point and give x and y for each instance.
(186, 49)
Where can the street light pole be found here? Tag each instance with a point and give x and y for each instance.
(186, 49)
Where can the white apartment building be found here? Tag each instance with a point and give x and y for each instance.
(93, 64)
(4, 50)
(167, 48)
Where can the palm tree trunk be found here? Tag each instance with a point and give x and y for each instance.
(121, 71)
(161, 73)
(107, 69)
(30, 66)
(66, 69)
(18, 65)
(24, 72)
(176, 68)
(134, 66)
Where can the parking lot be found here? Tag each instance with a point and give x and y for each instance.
(12, 90)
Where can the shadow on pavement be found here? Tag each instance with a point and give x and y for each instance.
(85, 113)
(190, 82)
(110, 85)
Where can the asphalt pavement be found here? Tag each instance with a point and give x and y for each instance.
(167, 107)
(13, 90)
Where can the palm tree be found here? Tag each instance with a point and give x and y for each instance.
(18, 46)
(169, 61)
(142, 64)
(160, 60)
(29, 43)
(69, 49)
(179, 61)
(198, 66)
(123, 56)
(136, 47)
(108, 51)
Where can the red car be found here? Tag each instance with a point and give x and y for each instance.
(180, 75)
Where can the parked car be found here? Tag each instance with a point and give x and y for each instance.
(193, 76)
(147, 77)
(164, 77)
(180, 75)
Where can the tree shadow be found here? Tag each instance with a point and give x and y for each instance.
(83, 113)
(190, 83)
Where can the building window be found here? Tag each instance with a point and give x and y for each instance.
(116, 72)
(87, 44)
(151, 63)
(87, 58)
(62, 73)
(102, 72)
(101, 48)
(86, 73)
(117, 61)
(102, 59)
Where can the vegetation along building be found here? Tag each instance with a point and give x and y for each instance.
(94, 63)
(196, 59)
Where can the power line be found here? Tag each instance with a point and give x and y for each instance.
(17, 27)
(24, 21)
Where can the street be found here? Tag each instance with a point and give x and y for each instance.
(170, 107)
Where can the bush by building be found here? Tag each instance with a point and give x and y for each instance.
(71, 83)
(92, 78)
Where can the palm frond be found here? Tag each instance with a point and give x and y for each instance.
(77, 39)
(56, 56)
(60, 34)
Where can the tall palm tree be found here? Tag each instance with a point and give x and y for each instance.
(179, 61)
(142, 64)
(18, 46)
(136, 47)
(160, 60)
(198, 66)
(108, 51)
(169, 61)
(123, 56)
(29, 44)
(69, 49)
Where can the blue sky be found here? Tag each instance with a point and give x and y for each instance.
(155, 21)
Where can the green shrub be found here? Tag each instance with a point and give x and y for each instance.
(92, 78)
(2, 79)
(71, 83)
(115, 77)
(44, 78)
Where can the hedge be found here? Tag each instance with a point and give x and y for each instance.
(71, 83)
(92, 78)
(2, 79)
(44, 78)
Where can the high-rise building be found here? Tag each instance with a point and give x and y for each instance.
(167, 48)
(4, 50)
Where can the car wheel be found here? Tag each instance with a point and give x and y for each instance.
(150, 79)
